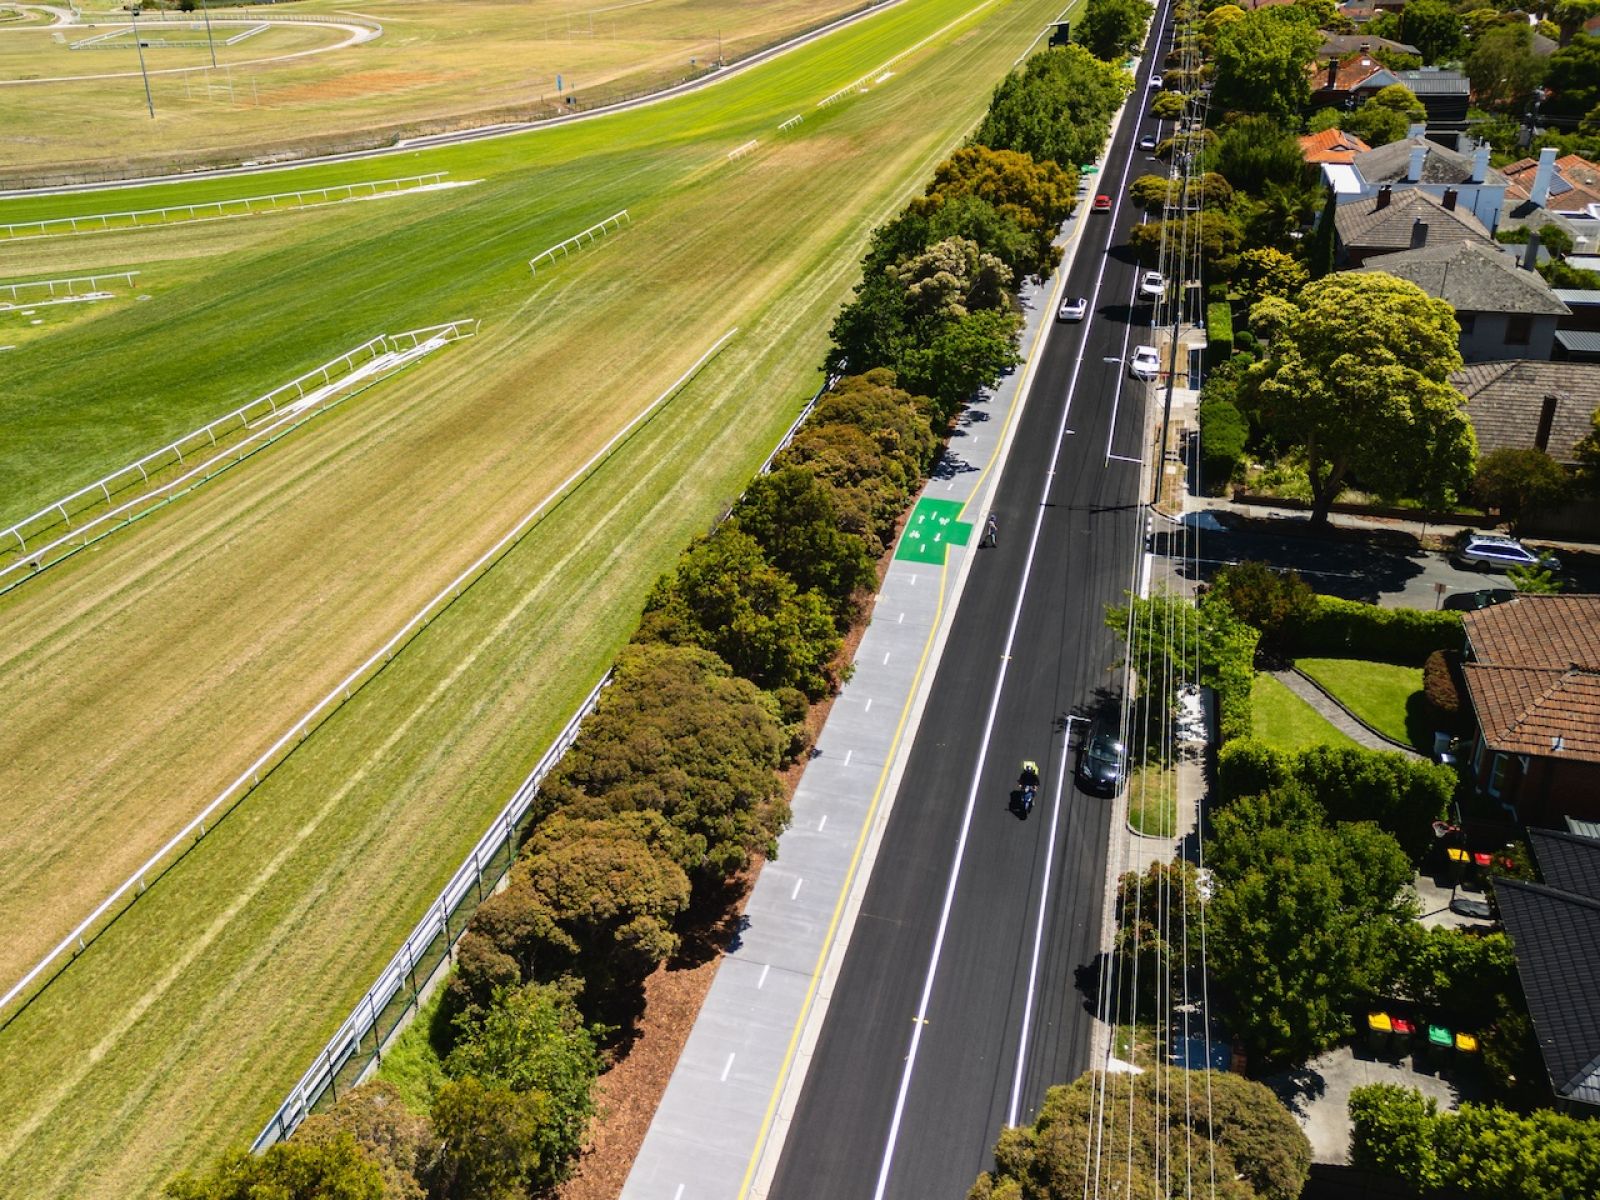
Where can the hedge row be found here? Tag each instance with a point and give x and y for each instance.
(1334, 627)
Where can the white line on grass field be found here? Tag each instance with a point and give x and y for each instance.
(341, 691)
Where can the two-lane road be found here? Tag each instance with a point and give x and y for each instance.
(975, 920)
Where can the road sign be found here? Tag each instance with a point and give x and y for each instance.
(932, 527)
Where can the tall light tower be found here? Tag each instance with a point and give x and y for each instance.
(138, 44)
(204, 8)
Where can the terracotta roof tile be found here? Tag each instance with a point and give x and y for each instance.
(1535, 678)
(1576, 184)
(1331, 145)
(1554, 632)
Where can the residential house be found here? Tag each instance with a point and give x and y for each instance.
(1337, 45)
(1419, 162)
(1331, 146)
(1554, 926)
(1408, 220)
(1350, 80)
(1504, 311)
(1567, 184)
(1521, 403)
(1578, 335)
(1533, 678)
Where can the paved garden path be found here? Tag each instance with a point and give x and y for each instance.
(1336, 714)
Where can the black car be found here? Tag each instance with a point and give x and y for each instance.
(1102, 760)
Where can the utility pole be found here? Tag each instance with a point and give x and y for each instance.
(213, 46)
(138, 44)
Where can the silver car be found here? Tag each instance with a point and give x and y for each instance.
(1489, 552)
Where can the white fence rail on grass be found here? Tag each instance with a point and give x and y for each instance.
(567, 246)
(356, 1044)
(790, 123)
(137, 475)
(873, 75)
(388, 1003)
(68, 285)
(739, 152)
(210, 210)
(110, 41)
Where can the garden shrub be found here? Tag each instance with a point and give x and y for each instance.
(1338, 628)
(1223, 433)
(1439, 686)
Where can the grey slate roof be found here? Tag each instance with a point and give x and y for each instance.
(1505, 399)
(1567, 862)
(1472, 277)
(1588, 829)
(1364, 224)
(1578, 341)
(1389, 164)
(1337, 45)
(1434, 82)
(1556, 936)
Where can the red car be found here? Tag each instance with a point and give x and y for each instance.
(1102, 203)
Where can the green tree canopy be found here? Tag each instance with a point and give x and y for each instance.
(1503, 68)
(1256, 152)
(1573, 75)
(1433, 27)
(1520, 481)
(1274, 602)
(1261, 63)
(1257, 1149)
(1037, 195)
(533, 1039)
(329, 1169)
(1265, 272)
(1111, 29)
(490, 1139)
(1383, 118)
(1218, 234)
(793, 516)
(1359, 380)
(724, 596)
(1589, 455)
(400, 1142)
(1058, 107)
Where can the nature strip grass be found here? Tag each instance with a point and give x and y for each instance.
(310, 898)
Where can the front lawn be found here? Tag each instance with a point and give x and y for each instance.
(1285, 722)
(1387, 697)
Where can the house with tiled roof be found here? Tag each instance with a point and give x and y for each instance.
(1419, 162)
(1337, 45)
(1391, 221)
(1532, 672)
(1331, 146)
(1348, 80)
(1505, 310)
(1559, 184)
(1521, 404)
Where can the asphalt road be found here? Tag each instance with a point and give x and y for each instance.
(1028, 653)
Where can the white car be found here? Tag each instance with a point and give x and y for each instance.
(1073, 309)
(1145, 363)
(1153, 285)
(1155, 82)
(1487, 552)
(1148, 142)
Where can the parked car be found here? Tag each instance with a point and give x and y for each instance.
(1102, 203)
(1145, 363)
(1073, 309)
(1153, 285)
(1482, 598)
(1148, 142)
(1491, 552)
(1102, 759)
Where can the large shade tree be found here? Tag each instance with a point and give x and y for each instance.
(1359, 380)
(1261, 63)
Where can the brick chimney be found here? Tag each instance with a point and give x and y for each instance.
(1480, 163)
(1385, 193)
(1419, 234)
(1530, 256)
(1539, 194)
(1414, 169)
(1547, 418)
(1333, 73)
(1450, 198)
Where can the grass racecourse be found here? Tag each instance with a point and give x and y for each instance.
(307, 82)
(142, 675)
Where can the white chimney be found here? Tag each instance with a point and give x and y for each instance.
(1414, 171)
(1480, 163)
(1416, 129)
(1540, 193)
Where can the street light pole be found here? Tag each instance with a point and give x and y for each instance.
(138, 44)
(212, 45)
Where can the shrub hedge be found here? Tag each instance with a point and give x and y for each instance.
(1335, 627)
(1219, 332)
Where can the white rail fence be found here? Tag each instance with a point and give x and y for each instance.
(598, 230)
(876, 74)
(38, 539)
(790, 123)
(211, 210)
(68, 285)
(390, 1001)
(739, 152)
(113, 39)
(358, 1044)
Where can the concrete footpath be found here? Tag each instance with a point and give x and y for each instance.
(722, 1122)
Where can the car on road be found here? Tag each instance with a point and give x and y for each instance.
(1490, 552)
(1102, 203)
(1073, 309)
(1156, 82)
(1144, 363)
(1153, 285)
(1102, 759)
(1482, 598)
(1147, 142)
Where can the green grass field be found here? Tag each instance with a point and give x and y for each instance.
(1385, 696)
(1286, 722)
(1153, 800)
(435, 66)
(184, 1023)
